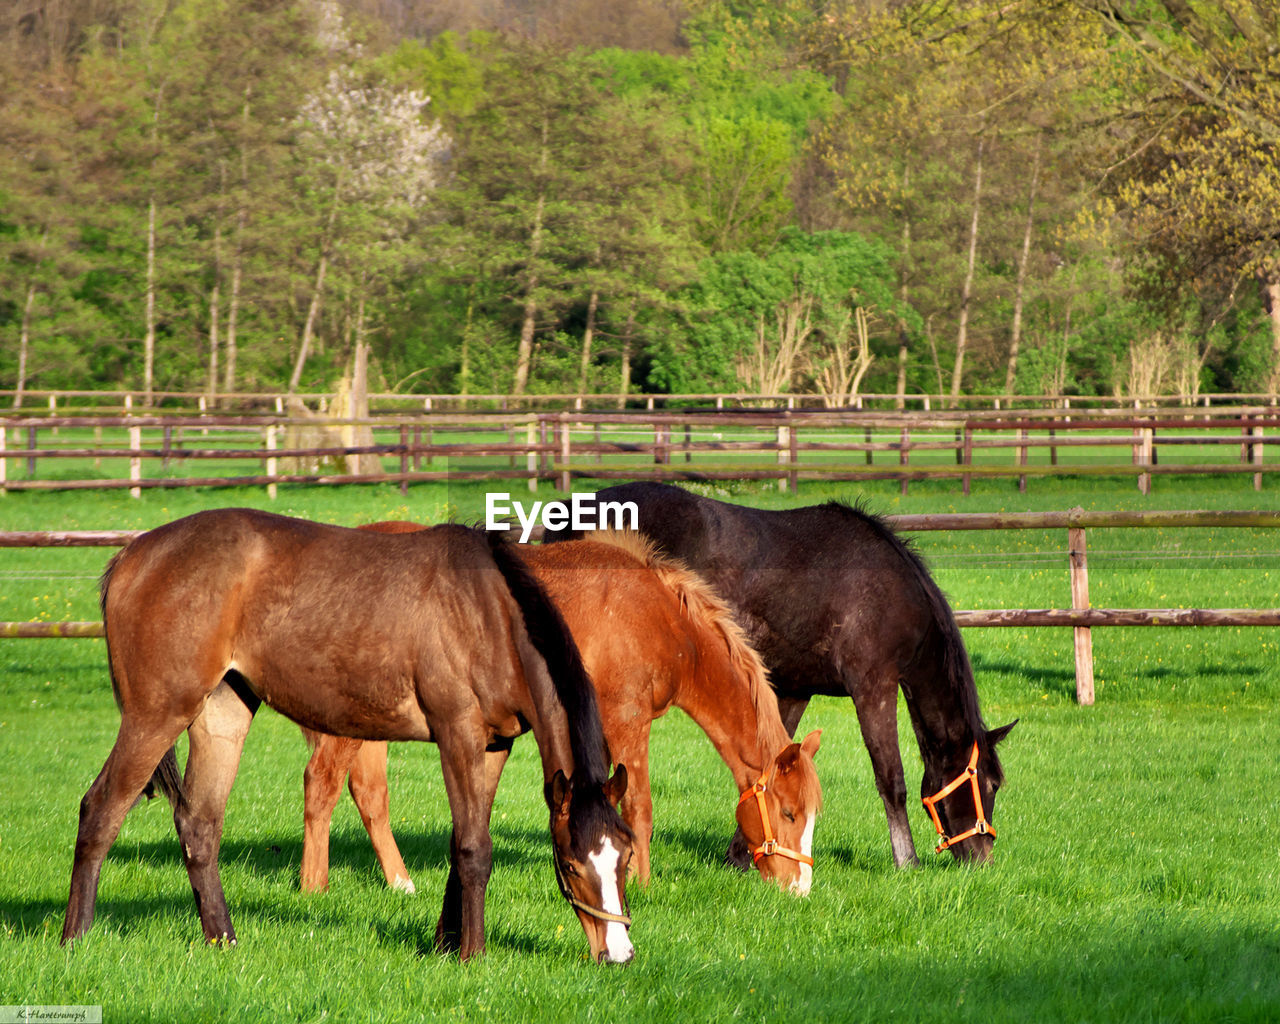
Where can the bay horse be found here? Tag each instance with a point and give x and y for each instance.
(653, 635)
(441, 635)
(837, 603)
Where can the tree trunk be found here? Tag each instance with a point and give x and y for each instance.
(1271, 300)
(237, 254)
(1019, 288)
(215, 295)
(624, 377)
(904, 273)
(524, 354)
(149, 338)
(317, 291)
(966, 295)
(588, 336)
(24, 345)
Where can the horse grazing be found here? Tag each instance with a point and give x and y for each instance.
(653, 635)
(836, 603)
(441, 635)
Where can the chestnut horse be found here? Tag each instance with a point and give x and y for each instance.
(441, 635)
(653, 635)
(837, 604)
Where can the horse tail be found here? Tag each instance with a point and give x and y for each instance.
(551, 638)
(167, 779)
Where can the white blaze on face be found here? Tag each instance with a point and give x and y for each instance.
(804, 883)
(617, 946)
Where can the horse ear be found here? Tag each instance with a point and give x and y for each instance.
(616, 787)
(557, 792)
(994, 736)
(809, 745)
(788, 759)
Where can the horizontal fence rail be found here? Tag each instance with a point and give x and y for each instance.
(1080, 617)
(786, 446)
(192, 402)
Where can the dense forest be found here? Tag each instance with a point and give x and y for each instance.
(529, 196)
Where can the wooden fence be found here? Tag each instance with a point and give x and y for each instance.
(184, 403)
(783, 445)
(1080, 616)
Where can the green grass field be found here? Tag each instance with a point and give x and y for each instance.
(1136, 874)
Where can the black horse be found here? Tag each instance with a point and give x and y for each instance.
(836, 603)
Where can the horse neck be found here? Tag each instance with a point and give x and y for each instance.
(727, 693)
(943, 713)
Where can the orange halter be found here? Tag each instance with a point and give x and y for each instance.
(981, 827)
(770, 845)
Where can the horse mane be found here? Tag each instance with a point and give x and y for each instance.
(704, 606)
(551, 638)
(957, 671)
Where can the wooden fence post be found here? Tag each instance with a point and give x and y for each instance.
(967, 457)
(1256, 431)
(272, 463)
(793, 446)
(784, 455)
(1022, 459)
(32, 443)
(904, 455)
(404, 459)
(135, 460)
(1143, 447)
(531, 457)
(1078, 562)
(566, 448)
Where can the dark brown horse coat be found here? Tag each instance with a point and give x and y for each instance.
(836, 603)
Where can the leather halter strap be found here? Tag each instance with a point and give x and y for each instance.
(769, 847)
(981, 827)
(596, 912)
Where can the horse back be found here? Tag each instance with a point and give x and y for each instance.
(341, 630)
(823, 592)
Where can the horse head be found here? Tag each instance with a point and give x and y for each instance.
(777, 816)
(592, 852)
(960, 795)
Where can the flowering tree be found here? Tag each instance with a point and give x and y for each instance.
(371, 159)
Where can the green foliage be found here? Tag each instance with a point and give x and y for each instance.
(738, 294)
(1110, 154)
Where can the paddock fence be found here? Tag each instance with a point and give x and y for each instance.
(53, 402)
(786, 446)
(1080, 617)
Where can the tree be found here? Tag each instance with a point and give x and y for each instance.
(1197, 171)
(782, 322)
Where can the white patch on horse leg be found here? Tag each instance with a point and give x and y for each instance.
(404, 885)
(804, 883)
(617, 946)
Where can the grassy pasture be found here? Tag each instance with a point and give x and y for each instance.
(1136, 878)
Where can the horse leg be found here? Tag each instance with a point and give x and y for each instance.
(739, 853)
(128, 768)
(331, 759)
(877, 708)
(471, 792)
(637, 803)
(369, 791)
(216, 740)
